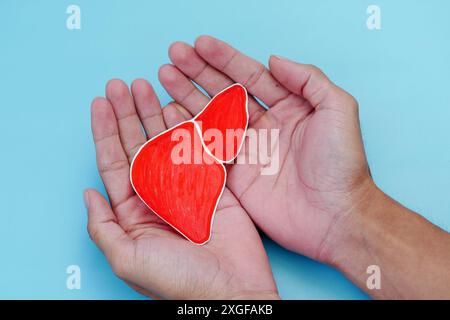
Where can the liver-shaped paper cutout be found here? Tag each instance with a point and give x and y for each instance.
(223, 122)
(179, 174)
(181, 189)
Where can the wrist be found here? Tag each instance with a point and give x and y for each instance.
(346, 241)
(368, 236)
(410, 254)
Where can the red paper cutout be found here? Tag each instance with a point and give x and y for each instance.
(184, 195)
(227, 110)
(179, 178)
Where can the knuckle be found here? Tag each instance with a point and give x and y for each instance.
(313, 69)
(132, 150)
(171, 105)
(93, 232)
(113, 166)
(255, 75)
(350, 100)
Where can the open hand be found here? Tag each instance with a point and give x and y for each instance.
(323, 173)
(142, 249)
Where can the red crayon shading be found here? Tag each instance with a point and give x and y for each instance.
(176, 174)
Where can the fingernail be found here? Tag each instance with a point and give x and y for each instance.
(279, 57)
(86, 198)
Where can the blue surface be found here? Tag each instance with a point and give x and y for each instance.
(49, 74)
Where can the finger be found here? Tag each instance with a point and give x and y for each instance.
(148, 107)
(311, 83)
(184, 57)
(241, 68)
(104, 229)
(130, 127)
(143, 291)
(112, 161)
(174, 114)
(181, 89)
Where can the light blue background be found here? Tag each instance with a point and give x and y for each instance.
(49, 74)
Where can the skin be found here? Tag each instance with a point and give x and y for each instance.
(323, 168)
(322, 202)
(141, 248)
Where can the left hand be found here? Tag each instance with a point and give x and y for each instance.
(323, 176)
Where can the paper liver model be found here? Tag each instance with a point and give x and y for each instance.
(180, 175)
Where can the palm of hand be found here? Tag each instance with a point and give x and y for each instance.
(161, 259)
(320, 165)
(321, 157)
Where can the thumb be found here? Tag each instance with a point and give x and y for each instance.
(104, 230)
(311, 83)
